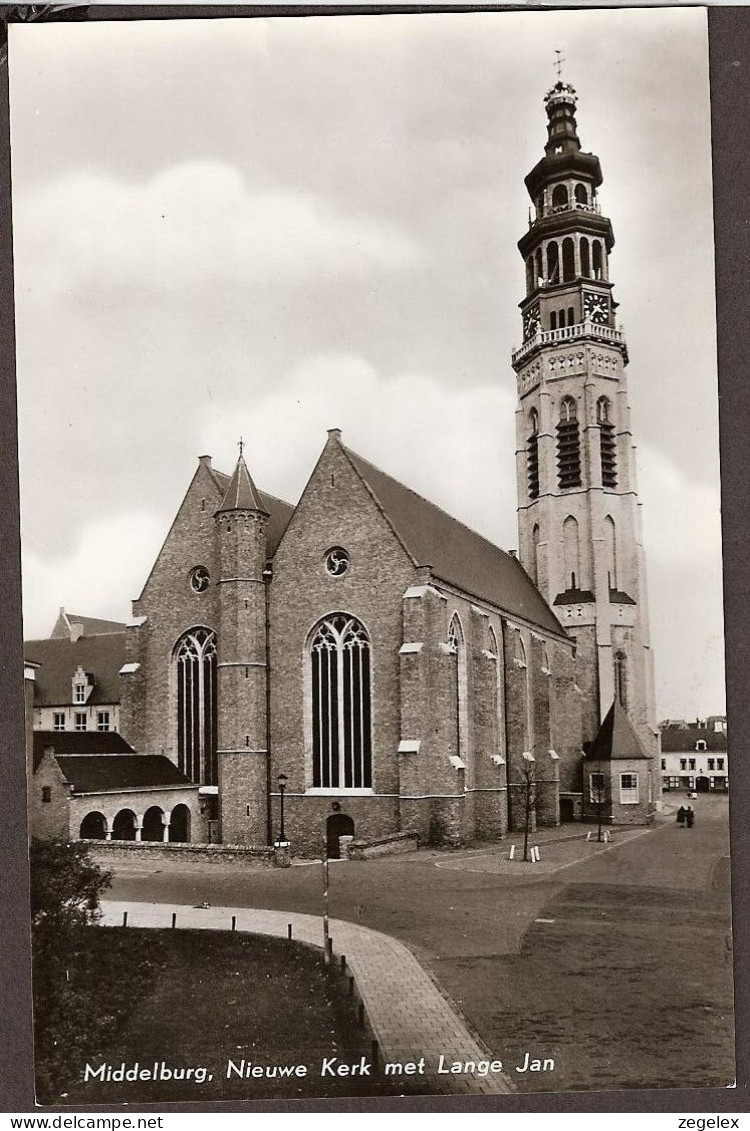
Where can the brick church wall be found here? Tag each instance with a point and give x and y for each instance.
(336, 509)
(148, 710)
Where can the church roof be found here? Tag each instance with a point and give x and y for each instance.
(279, 512)
(681, 740)
(241, 493)
(616, 739)
(456, 553)
(100, 773)
(91, 626)
(101, 657)
(86, 743)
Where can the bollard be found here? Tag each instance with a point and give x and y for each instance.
(512, 853)
(588, 835)
(343, 963)
(329, 948)
(174, 919)
(289, 930)
(234, 922)
(124, 918)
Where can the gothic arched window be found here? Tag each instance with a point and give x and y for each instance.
(553, 320)
(571, 554)
(457, 676)
(621, 678)
(195, 661)
(607, 448)
(341, 731)
(568, 445)
(610, 548)
(535, 536)
(539, 266)
(585, 258)
(596, 250)
(532, 455)
(559, 196)
(553, 265)
(568, 257)
(530, 283)
(581, 195)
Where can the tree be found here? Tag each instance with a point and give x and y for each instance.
(65, 885)
(528, 787)
(65, 889)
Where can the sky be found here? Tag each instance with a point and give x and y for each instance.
(270, 227)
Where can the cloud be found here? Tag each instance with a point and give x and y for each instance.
(450, 445)
(193, 225)
(98, 577)
(682, 518)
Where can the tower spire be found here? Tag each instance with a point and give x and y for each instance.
(241, 493)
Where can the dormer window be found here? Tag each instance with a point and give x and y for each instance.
(82, 686)
(700, 744)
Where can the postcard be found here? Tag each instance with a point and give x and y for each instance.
(369, 465)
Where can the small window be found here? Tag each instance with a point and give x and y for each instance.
(700, 744)
(102, 720)
(719, 763)
(711, 763)
(691, 763)
(337, 561)
(628, 789)
(200, 579)
(683, 763)
(571, 316)
(80, 693)
(80, 720)
(46, 793)
(596, 788)
(58, 720)
(664, 763)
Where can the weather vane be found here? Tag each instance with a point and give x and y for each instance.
(241, 444)
(558, 63)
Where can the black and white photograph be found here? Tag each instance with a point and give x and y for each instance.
(376, 734)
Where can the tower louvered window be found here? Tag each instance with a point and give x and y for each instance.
(195, 660)
(532, 456)
(341, 739)
(568, 446)
(606, 443)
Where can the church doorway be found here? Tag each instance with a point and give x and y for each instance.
(338, 824)
(702, 785)
(567, 810)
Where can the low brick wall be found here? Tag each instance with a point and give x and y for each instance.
(115, 851)
(392, 845)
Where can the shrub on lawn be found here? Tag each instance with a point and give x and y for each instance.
(65, 889)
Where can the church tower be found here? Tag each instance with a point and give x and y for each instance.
(578, 512)
(241, 523)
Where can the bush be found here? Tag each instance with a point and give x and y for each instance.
(65, 889)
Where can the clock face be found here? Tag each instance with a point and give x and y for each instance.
(531, 322)
(596, 307)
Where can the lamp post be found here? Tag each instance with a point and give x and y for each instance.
(282, 786)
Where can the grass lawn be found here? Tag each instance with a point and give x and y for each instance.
(200, 999)
(628, 987)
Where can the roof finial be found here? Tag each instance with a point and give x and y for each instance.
(241, 444)
(558, 63)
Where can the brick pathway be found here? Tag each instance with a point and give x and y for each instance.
(408, 1015)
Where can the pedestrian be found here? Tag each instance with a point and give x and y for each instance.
(690, 816)
(681, 816)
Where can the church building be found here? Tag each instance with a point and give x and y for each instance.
(385, 667)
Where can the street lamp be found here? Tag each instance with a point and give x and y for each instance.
(282, 786)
